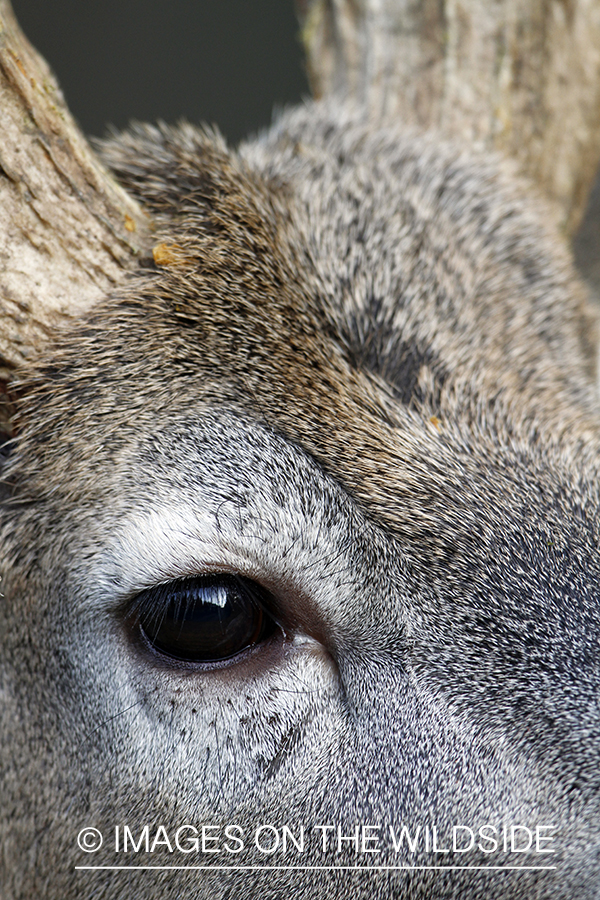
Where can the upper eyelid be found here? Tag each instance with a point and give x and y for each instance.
(308, 564)
(188, 522)
(178, 540)
(260, 594)
(156, 547)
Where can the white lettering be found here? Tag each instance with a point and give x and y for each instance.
(405, 835)
(489, 839)
(542, 837)
(233, 837)
(513, 839)
(272, 830)
(455, 830)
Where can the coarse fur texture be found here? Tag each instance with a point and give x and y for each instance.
(361, 374)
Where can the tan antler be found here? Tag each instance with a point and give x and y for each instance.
(68, 232)
(520, 76)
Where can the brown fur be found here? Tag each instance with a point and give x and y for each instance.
(391, 317)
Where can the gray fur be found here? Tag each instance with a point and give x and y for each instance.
(364, 376)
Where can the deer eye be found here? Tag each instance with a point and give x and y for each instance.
(204, 619)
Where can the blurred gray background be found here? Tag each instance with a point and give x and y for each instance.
(226, 62)
(220, 61)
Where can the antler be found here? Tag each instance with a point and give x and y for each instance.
(68, 232)
(519, 76)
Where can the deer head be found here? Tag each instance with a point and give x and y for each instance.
(299, 547)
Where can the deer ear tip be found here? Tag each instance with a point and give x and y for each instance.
(152, 161)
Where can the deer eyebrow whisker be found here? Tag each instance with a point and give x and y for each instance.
(103, 724)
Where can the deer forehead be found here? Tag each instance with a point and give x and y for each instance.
(360, 295)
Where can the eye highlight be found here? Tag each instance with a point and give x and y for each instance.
(207, 618)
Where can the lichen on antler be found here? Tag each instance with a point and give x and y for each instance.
(518, 76)
(68, 232)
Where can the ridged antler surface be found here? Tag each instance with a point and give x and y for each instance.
(518, 76)
(68, 232)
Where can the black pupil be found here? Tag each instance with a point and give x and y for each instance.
(203, 619)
